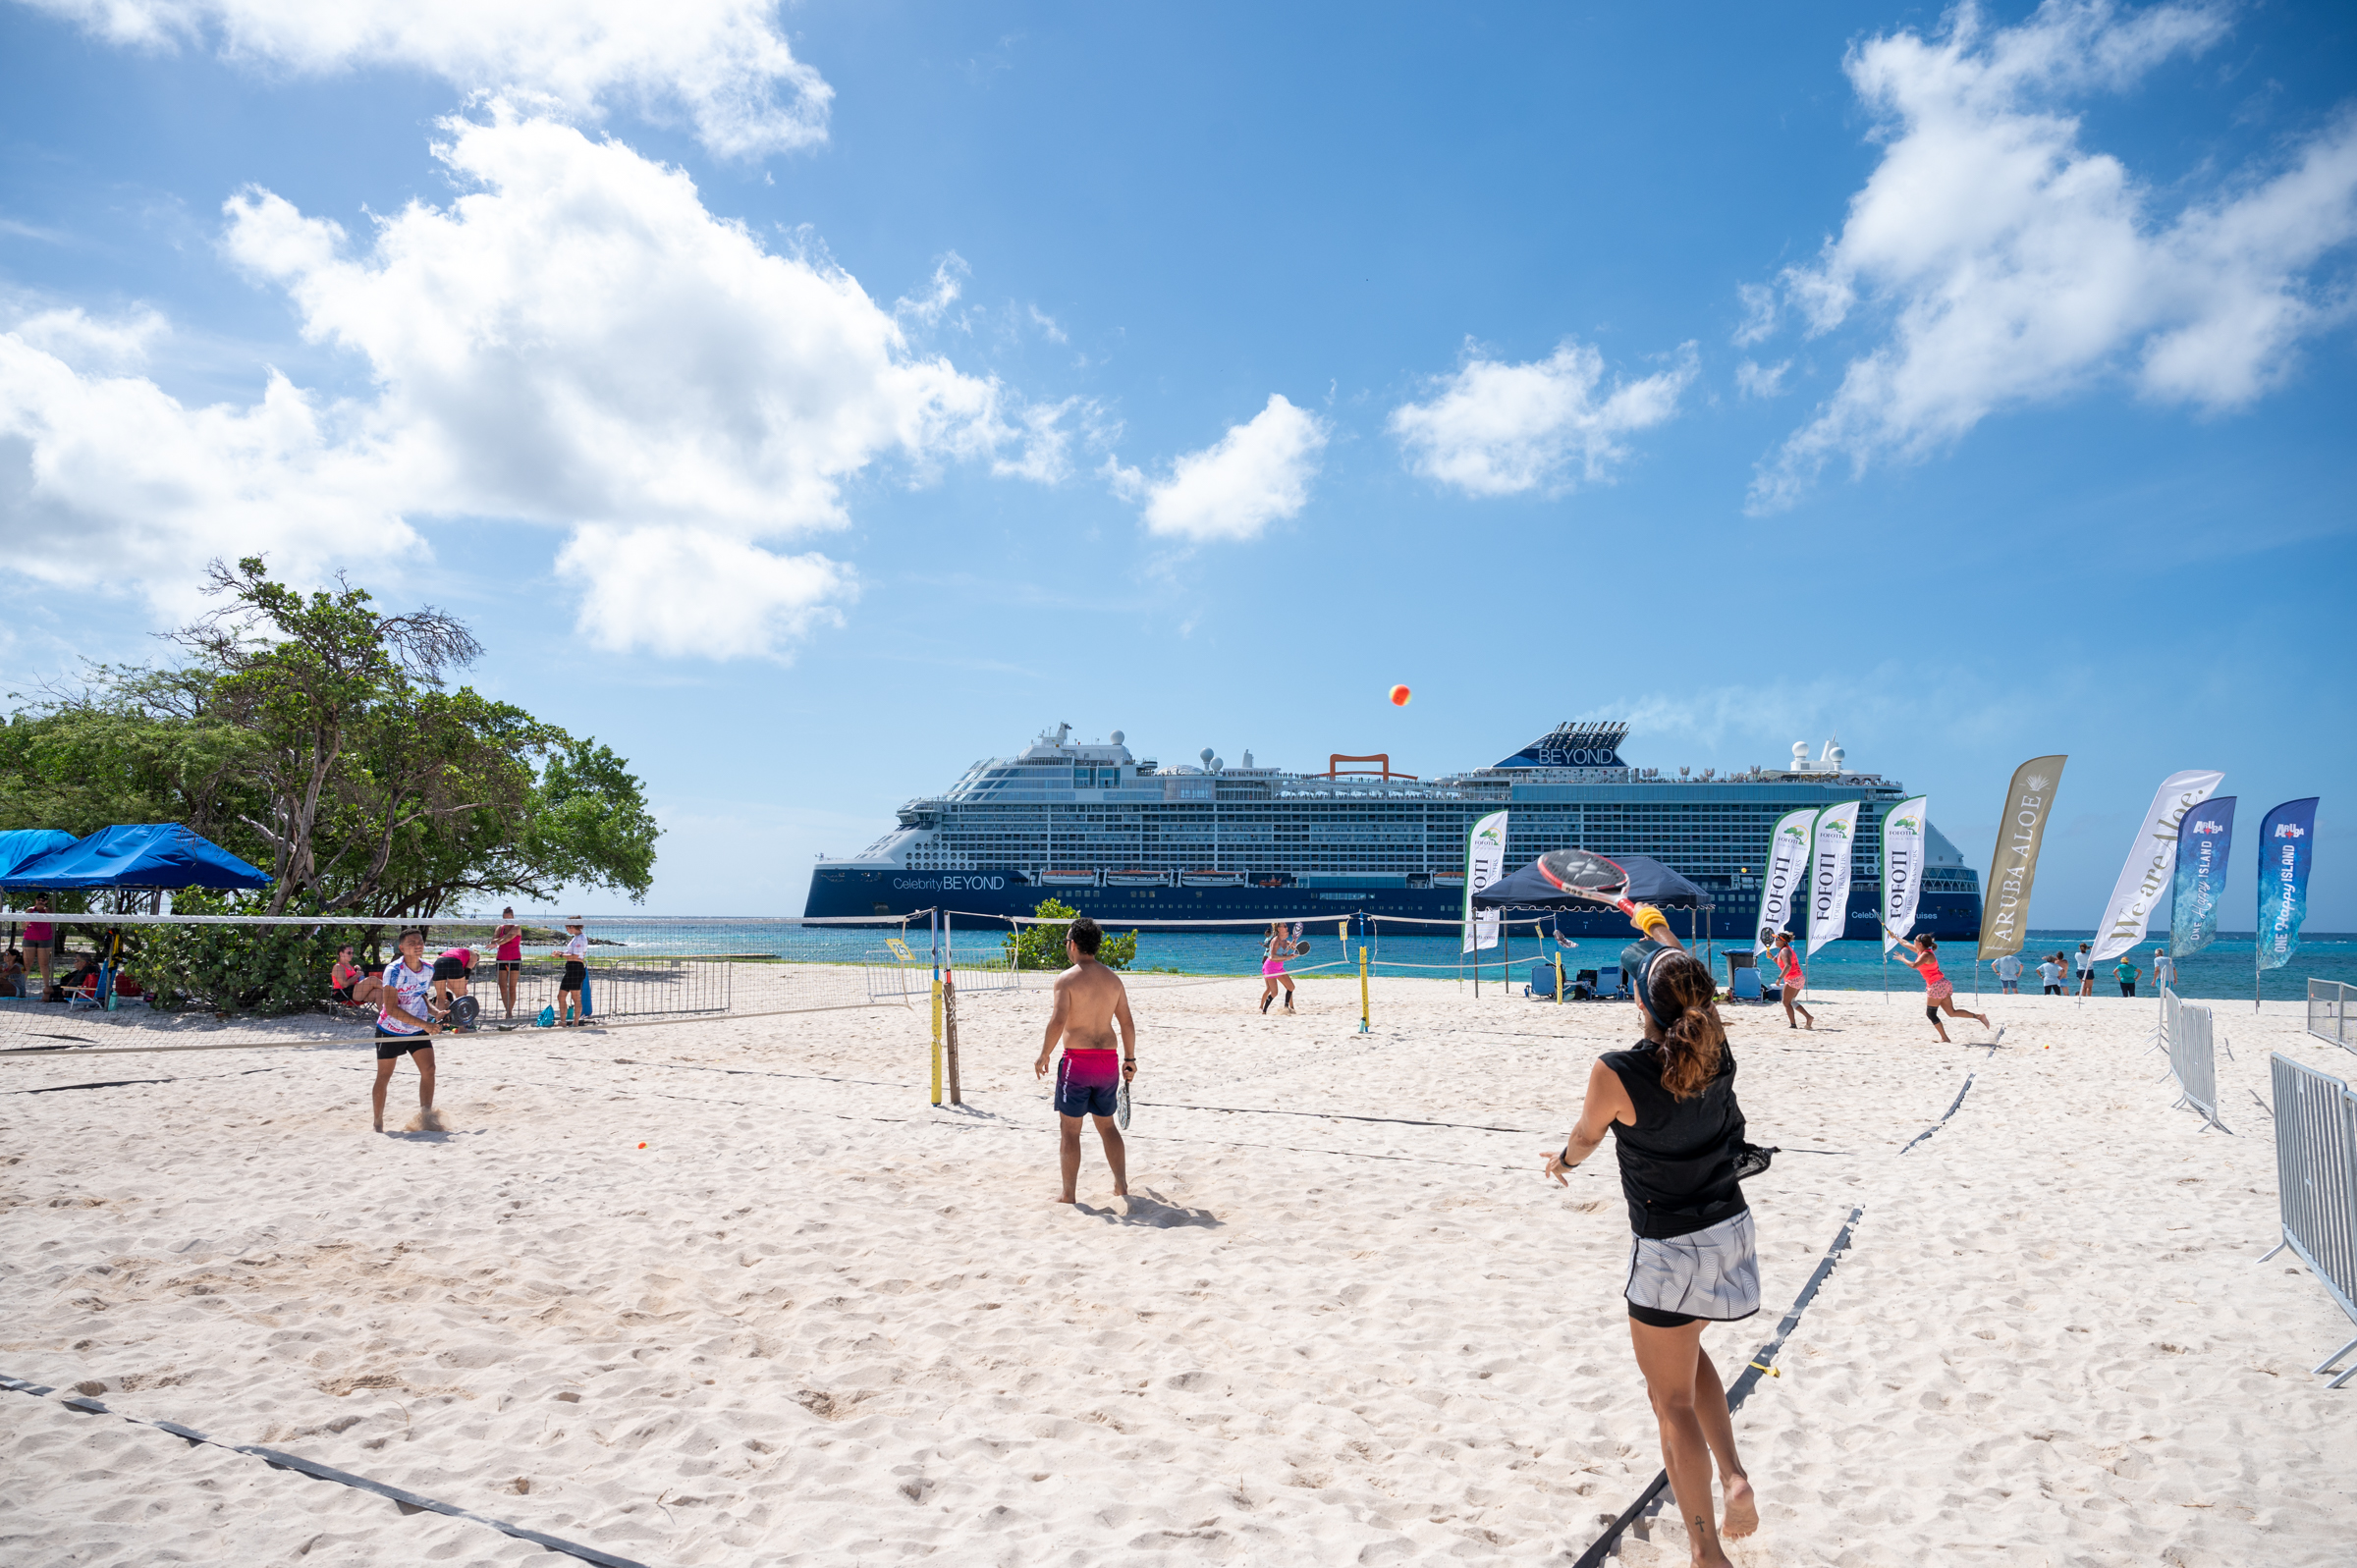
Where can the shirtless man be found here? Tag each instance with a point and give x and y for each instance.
(1089, 1002)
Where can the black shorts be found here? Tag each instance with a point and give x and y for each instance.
(1654, 1318)
(393, 1046)
(342, 993)
(2054, 991)
(450, 968)
(574, 973)
(506, 964)
(2127, 988)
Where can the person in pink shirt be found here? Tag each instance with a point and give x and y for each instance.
(454, 969)
(1938, 990)
(41, 942)
(1789, 979)
(509, 955)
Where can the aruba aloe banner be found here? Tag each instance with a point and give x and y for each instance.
(2013, 867)
(1485, 863)
(2205, 842)
(1781, 879)
(1904, 853)
(2151, 859)
(1833, 838)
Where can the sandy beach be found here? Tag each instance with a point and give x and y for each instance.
(1341, 1319)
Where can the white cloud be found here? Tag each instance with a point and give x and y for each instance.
(1256, 474)
(2004, 264)
(1755, 380)
(724, 64)
(1759, 313)
(1047, 326)
(576, 341)
(1497, 429)
(93, 343)
(949, 282)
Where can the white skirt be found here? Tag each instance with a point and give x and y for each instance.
(1712, 1274)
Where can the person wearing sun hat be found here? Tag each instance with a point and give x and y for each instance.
(575, 953)
(1638, 958)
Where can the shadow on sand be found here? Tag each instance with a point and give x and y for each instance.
(1143, 1208)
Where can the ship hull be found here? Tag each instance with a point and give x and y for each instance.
(986, 896)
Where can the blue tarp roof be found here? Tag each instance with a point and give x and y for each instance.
(158, 855)
(21, 844)
(1649, 882)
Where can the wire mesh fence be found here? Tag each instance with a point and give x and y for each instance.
(2332, 1012)
(2316, 1184)
(2187, 1030)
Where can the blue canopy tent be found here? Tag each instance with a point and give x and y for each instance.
(23, 844)
(148, 855)
(157, 854)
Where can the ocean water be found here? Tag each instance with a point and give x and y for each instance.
(2221, 972)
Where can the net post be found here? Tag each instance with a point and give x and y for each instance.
(949, 1002)
(1559, 977)
(1362, 988)
(937, 1039)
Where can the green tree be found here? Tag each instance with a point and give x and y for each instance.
(1041, 946)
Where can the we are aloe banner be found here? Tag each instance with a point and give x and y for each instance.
(2287, 847)
(1485, 863)
(2151, 859)
(1834, 839)
(2205, 842)
(2013, 867)
(1781, 878)
(1904, 853)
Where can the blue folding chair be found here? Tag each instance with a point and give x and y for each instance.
(1607, 983)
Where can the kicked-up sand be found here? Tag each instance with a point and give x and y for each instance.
(1341, 1317)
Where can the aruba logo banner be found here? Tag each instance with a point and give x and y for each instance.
(2013, 866)
(2205, 842)
(2286, 849)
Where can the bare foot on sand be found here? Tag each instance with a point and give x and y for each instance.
(1742, 1515)
(1121, 1189)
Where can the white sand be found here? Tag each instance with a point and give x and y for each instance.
(816, 1320)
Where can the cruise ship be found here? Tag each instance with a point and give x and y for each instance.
(1137, 845)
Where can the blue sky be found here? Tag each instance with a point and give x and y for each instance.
(808, 401)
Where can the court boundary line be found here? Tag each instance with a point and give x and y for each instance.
(278, 1459)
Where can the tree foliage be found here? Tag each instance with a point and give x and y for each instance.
(1041, 946)
(324, 741)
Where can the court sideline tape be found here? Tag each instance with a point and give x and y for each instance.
(1602, 1548)
(342, 1478)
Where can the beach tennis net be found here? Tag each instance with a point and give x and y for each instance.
(126, 980)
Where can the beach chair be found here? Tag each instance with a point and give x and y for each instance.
(1609, 983)
(1744, 977)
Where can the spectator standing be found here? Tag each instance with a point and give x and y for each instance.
(2165, 970)
(509, 955)
(41, 942)
(2084, 961)
(575, 953)
(2127, 974)
(2050, 976)
(2009, 973)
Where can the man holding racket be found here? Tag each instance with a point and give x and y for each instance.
(1090, 1002)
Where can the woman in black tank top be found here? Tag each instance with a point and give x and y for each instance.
(1669, 1103)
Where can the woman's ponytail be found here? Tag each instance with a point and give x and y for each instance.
(1686, 1001)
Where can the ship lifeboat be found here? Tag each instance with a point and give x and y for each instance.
(1069, 878)
(1134, 878)
(1211, 879)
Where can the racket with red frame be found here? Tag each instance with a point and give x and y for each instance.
(1584, 874)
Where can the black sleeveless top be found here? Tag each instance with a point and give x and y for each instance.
(1677, 1163)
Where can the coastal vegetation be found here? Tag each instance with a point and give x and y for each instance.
(1041, 946)
(329, 743)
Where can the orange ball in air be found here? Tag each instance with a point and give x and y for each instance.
(1400, 695)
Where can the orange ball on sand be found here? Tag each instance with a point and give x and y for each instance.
(1399, 696)
(643, 1146)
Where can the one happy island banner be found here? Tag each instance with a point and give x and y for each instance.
(1835, 836)
(2151, 859)
(2287, 848)
(1781, 879)
(1485, 863)
(1903, 853)
(2205, 842)
(2013, 867)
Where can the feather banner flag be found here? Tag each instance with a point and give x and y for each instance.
(2287, 848)
(2204, 843)
(1903, 852)
(1828, 873)
(2152, 861)
(1788, 864)
(2013, 866)
(1485, 863)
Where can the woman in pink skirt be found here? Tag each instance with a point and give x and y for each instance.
(1937, 992)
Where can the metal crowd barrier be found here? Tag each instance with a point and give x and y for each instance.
(2332, 1012)
(2316, 1180)
(2186, 1031)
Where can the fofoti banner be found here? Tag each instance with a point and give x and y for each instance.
(2013, 867)
(1904, 853)
(2151, 861)
(1835, 836)
(1781, 878)
(1485, 863)
(2205, 842)
(2286, 846)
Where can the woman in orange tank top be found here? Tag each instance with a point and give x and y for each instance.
(1938, 992)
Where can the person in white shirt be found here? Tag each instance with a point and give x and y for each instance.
(2165, 969)
(2084, 961)
(575, 953)
(2008, 971)
(405, 1023)
(2049, 975)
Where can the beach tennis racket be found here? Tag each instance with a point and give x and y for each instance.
(1120, 1105)
(1586, 875)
